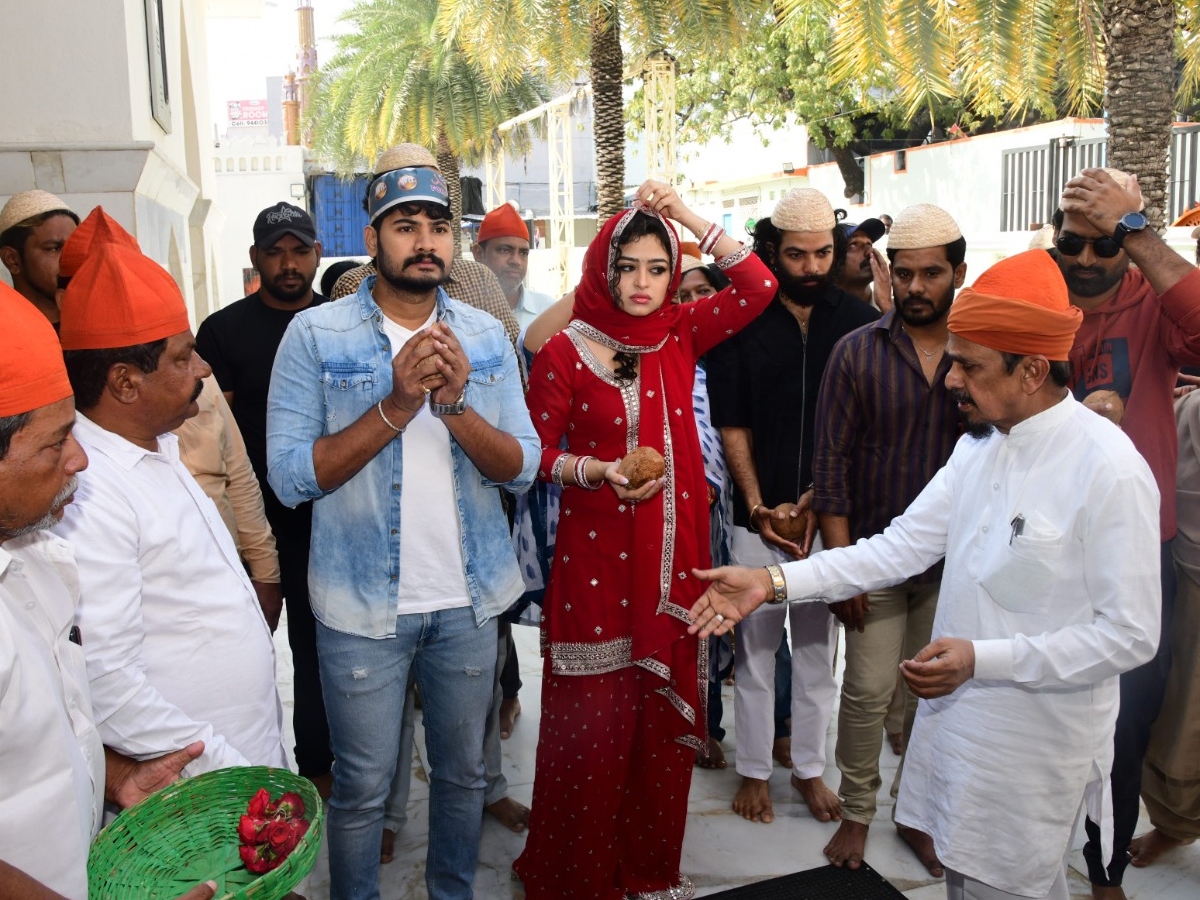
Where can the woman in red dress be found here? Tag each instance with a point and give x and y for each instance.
(624, 693)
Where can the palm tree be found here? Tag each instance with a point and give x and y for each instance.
(1007, 57)
(1140, 55)
(507, 36)
(394, 79)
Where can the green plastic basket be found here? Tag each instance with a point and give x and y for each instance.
(187, 833)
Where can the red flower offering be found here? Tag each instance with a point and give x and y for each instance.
(270, 830)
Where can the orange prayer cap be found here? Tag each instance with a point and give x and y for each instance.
(32, 373)
(119, 298)
(503, 221)
(689, 248)
(98, 228)
(1019, 305)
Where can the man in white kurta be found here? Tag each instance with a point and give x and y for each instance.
(1047, 525)
(177, 647)
(52, 762)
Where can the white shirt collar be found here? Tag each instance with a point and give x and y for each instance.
(1046, 420)
(123, 452)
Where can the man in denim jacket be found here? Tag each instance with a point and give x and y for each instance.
(400, 412)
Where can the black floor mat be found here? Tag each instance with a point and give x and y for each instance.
(825, 883)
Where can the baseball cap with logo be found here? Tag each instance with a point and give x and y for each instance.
(283, 218)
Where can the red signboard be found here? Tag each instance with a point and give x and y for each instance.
(243, 113)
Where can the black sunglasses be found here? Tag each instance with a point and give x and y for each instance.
(1073, 244)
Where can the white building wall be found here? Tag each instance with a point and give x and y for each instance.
(80, 125)
(249, 177)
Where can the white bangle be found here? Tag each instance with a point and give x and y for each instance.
(386, 420)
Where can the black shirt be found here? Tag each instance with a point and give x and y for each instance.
(240, 342)
(767, 377)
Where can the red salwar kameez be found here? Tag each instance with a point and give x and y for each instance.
(625, 687)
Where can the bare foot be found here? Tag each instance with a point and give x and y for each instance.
(897, 743)
(1108, 893)
(848, 845)
(1145, 850)
(820, 800)
(510, 708)
(781, 751)
(712, 756)
(922, 845)
(387, 847)
(509, 813)
(753, 801)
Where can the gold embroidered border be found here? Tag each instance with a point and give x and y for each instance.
(681, 706)
(650, 664)
(683, 890)
(568, 658)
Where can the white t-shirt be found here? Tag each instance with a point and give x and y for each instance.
(432, 572)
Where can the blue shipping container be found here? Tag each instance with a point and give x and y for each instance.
(339, 215)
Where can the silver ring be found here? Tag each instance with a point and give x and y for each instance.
(720, 618)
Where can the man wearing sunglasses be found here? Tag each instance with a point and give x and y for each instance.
(1140, 324)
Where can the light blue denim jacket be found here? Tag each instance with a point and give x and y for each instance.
(334, 364)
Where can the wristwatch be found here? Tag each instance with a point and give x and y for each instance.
(1129, 223)
(449, 409)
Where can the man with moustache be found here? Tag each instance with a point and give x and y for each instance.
(503, 246)
(400, 412)
(763, 385)
(1045, 516)
(888, 424)
(239, 342)
(1140, 325)
(865, 274)
(177, 647)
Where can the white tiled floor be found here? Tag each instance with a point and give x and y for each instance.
(720, 850)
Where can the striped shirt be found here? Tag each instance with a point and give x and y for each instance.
(883, 430)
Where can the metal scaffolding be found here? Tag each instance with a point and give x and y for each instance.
(559, 114)
(658, 89)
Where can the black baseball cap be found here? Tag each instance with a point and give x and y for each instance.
(283, 218)
(872, 228)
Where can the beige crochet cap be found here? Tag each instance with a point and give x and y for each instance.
(921, 226)
(28, 204)
(1196, 233)
(688, 262)
(405, 156)
(803, 209)
(1043, 238)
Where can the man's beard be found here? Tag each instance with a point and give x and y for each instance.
(935, 313)
(49, 520)
(287, 295)
(394, 275)
(1100, 283)
(975, 428)
(805, 290)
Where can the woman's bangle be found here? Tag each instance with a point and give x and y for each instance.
(386, 420)
(581, 479)
(710, 239)
(560, 463)
(778, 585)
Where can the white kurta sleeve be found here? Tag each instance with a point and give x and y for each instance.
(909, 546)
(1121, 561)
(131, 715)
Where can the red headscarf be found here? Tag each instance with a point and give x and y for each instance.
(670, 530)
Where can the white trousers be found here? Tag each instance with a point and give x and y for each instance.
(814, 647)
(960, 887)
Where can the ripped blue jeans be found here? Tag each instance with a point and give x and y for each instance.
(364, 680)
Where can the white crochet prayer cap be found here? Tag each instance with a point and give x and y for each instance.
(28, 204)
(803, 209)
(688, 262)
(1043, 238)
(405, 156)
(921, 226)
